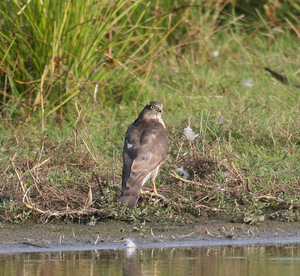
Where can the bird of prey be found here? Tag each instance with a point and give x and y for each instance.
(145, 148)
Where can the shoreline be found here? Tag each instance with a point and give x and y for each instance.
(22, 248)
(111, 234)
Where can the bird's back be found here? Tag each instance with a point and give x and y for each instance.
(145, 148)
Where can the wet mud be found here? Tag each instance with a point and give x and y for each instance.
(32, 237)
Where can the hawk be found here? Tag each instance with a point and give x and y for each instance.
(145, 149)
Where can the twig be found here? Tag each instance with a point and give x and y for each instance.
(97, 239)
(174, 174)
(289, 106)
(89, 199)
(35, 179)
(210, 208)
(150, 194)
(80, 212)
(34, 208)
(208, 233)
(151, 231)
(75, 237)
(154, 235)
(233, 170)
(87, 147)
(18, 175)
(270, 198)
(40, 164)
(99, 184)
(34, 243)
(239, 175)
(25, 195)
(27, 203)
(188, 235)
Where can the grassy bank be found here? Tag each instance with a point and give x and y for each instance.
(63, 123)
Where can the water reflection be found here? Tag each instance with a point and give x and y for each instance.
(231, 260)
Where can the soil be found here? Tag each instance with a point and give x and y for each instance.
(62, 236)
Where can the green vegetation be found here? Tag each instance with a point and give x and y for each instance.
(73, 76)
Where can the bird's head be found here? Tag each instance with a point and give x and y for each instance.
(152, 110)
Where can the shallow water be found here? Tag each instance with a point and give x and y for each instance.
(282, 259)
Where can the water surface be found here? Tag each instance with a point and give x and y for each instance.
(283, 259)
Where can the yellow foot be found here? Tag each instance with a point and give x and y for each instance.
(154, 188)
(150, 193)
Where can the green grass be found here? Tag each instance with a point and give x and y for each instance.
(244, 164)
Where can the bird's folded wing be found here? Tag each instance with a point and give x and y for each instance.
(150, 153)
(141, 167)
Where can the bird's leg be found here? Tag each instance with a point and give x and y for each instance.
(154, 187)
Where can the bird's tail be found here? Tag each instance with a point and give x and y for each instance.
(129, 197)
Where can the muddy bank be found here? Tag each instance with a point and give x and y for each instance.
(111, 234)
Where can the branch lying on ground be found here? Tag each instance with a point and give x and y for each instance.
(174, 174)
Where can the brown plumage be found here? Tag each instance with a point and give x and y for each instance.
(145, 148)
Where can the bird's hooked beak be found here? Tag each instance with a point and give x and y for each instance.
(159, 110)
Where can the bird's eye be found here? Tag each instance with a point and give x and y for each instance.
(151, 106)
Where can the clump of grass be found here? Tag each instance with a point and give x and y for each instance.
(53, 53)
(104, 51)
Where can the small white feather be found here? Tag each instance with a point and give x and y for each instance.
(185, 174)
(130, 243)
(189, 133)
